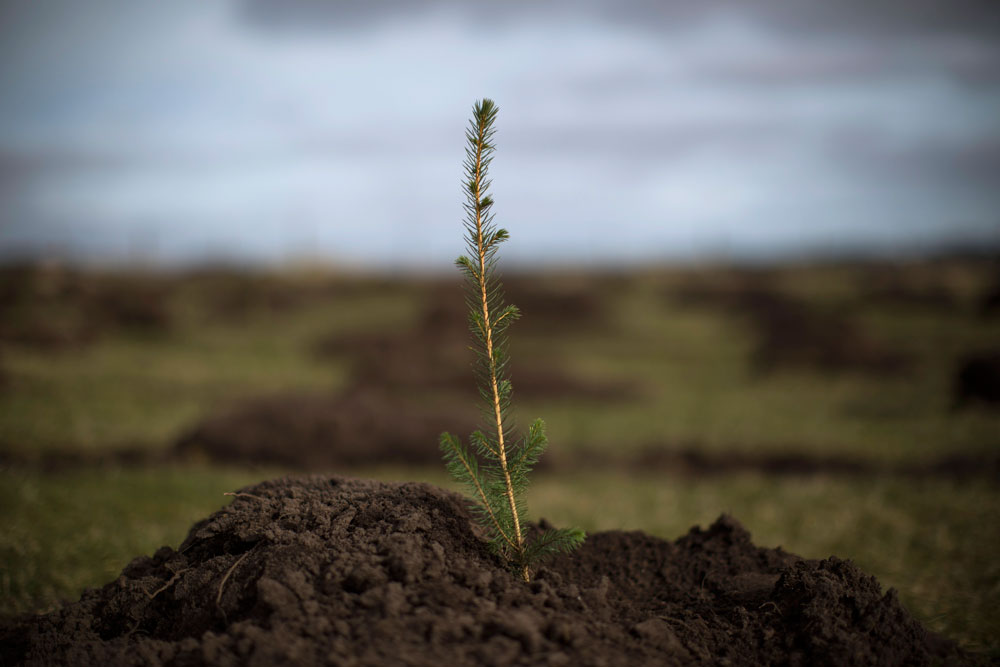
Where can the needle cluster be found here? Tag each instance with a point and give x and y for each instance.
(495, 469)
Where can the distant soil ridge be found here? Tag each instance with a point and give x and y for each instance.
(338, 571)
(313, 447)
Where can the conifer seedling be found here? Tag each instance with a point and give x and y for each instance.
(495, 470)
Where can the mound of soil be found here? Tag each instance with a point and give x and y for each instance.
(335, 571)
(791, 333)
(58, 308)
(548, 307)
(901, 286)
(549, 304)
(694, 460)
(977, 380)
(233, 296)
(422, 360)
(989, 302)
(366, 424)
(302, 430)
(434, 354)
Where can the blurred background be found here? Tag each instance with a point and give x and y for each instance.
(756, 246)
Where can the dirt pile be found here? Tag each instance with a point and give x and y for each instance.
(989, 300)
(235, 296)
(335, 571)
(792, 333)
(977, 380)
(59, 308)
(364, 426)
(405, 387)
(434, 353)
(898, 286)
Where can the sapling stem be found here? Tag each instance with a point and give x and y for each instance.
(498, 487)
(481, 128)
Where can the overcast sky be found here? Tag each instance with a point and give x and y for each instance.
(267, 130)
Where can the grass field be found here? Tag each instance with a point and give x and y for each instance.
(219, 337)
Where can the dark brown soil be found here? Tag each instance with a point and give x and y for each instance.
(405, 387)
(689, 462)
(310, 431)
(234, 296)
(977, 380)
(989, 301)
(894, 286)
(423, 360)
(550, 308)
(549, 303)
(434, 354)
(362, 426)
(336, 571)
(58, 308)
(694, 461)
(791, 333)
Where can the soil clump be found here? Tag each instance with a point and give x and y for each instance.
(337, 571)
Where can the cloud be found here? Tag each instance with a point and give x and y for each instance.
(888, 17)
(262, 126)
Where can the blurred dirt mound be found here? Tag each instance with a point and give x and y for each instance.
(336, 571)
(548, 304)
(553, 308)
(405, 387)
(989, 302)
(55, 307)
(695, 461)
(421, 360)
(434, 354)
(920, 287)
(233, 295)
(977, 380)
(309, 431)
(791, 333)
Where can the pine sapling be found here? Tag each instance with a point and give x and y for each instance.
(495, 470)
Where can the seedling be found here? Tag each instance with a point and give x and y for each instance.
(497, 484)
